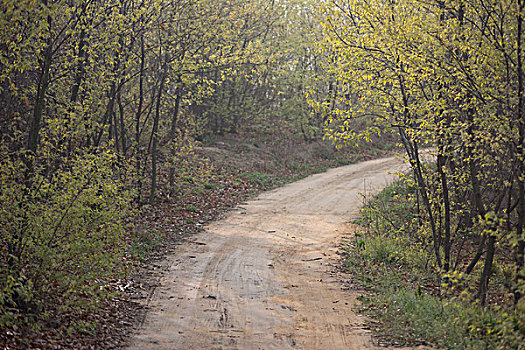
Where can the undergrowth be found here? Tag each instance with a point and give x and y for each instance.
(411, 303)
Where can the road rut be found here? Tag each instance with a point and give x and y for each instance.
(264, 277)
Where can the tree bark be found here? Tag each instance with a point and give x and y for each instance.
(172, 135)
(446, 203)
(520, 247)
(415, 163)
(38, 110)
(138, 153)
(154, 137)
(124, 146)
(487, 270)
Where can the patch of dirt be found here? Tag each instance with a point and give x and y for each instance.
(265, 276)
(247, 153)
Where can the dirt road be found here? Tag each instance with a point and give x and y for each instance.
(263, 278)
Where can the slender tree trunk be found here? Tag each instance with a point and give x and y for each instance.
(415, 163)
(75, 90)
(520, 247)
(214, 115)
(16, 243)
(173, 132)
(477, 256)
(108, 116)
(80, 67)
(115, 130)
(123, 142)
(154, 137)
(446, 203)
(477, 200)
(476, 193)
(487, 270)
(138, 152)
(230, 122)
(236, 116)
(38, 110)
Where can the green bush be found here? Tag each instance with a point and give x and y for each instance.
(61, 235)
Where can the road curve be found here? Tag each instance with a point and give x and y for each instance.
(263, 277)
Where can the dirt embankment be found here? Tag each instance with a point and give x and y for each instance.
(264, 277)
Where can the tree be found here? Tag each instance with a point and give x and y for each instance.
(446, 74)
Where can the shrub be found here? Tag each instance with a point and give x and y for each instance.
(60, 234)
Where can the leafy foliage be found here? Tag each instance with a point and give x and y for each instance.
(60, 235)
(446, 75)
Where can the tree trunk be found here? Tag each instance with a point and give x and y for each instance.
(173, 131)
(123, 142)
(154, 137)
(80, 67)
(487, 270)
(479, 253)
(415, 163)
(38, 111)
(446, 203)
(520, 247)
(137, 119)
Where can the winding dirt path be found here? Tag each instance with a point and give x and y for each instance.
(264, 277)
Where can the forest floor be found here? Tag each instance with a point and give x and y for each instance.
(266, 276)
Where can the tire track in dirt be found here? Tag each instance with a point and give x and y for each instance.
(264, 277)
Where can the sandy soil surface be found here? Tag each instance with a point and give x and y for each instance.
(264, 277)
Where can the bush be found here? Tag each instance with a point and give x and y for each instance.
(61, 235)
